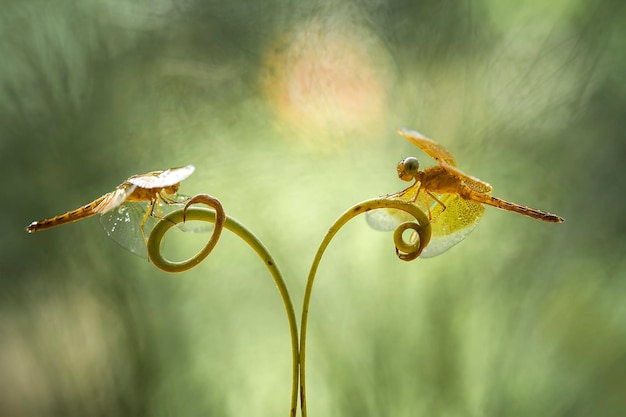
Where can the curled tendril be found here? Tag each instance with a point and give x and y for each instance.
(406, 251)
(180, 216)
(222, 221)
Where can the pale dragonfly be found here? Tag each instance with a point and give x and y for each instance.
(129, 212)
(453, 200)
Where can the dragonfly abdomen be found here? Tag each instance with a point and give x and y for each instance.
(517, 208)
(87, 210)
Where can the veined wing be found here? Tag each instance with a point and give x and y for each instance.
(115, 198)
(449, 226)
(452, 225)
(160, 179)
(123, 224)
(432, 148)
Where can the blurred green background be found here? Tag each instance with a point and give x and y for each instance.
(288, 111)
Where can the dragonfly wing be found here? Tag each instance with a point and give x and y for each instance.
(449, 226)
(160, 179)
(452, 225)
(386, 220)
(115, 198)
(123, 225)
(432, 148)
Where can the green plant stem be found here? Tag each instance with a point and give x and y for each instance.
(240, 230)
(158, 233)
(405, 251)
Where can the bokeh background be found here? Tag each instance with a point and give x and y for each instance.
(288, 111)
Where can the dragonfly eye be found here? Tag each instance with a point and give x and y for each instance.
(407, 168)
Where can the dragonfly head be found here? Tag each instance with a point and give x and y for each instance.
(408, 168)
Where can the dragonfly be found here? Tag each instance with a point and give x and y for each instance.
(453, 200)
(129, 211)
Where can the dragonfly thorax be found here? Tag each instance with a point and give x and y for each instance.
(172, 189)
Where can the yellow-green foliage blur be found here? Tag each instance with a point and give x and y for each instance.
(288, 111)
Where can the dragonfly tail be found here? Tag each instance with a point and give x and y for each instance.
(517, 208)
(71, 216)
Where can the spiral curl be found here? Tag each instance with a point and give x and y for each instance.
(218, 216)
(407, 251)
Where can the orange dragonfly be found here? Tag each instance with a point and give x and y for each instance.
(453, 200)
(123, 211)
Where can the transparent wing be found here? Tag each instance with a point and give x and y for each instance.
(449, 226)
(160, 179)
(123, 223)
(386, 220)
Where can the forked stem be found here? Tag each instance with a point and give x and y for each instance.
(220, 219)
(405, 250)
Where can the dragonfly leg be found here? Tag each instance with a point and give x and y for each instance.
(158, 207)
(428, 193)
(437, 200)
(149, 212)
(403, 192)
(416, 193)
(427, 204)
(166, 199)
